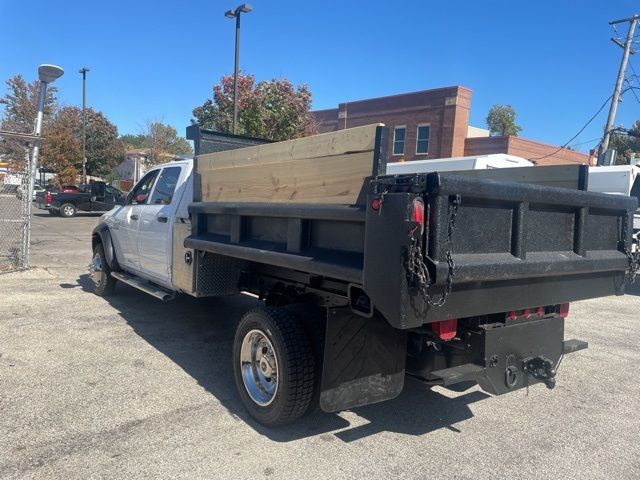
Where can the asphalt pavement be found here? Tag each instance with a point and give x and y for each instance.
(133, 388)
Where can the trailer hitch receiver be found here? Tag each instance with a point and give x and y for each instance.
(542, 369)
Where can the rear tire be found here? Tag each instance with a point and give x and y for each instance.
(68, 210)
(273, 366)
(53, 213)
(100, 273)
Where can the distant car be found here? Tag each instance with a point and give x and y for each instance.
(36, 188)
(68, 200)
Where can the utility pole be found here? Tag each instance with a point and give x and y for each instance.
(626, 46)
(84, 71)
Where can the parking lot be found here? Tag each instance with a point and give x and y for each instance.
(133, 388)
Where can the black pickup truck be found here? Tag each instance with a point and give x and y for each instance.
(92, 197)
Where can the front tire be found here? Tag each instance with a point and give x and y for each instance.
(100, 273)
(68, 210)
(273, 366)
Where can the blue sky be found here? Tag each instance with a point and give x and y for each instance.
(552, 60)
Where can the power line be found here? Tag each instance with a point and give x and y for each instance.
(579, 131)
(633, 89)
(585, 142)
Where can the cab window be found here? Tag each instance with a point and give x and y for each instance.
(165, 186)
(112, 191)
(140, 193)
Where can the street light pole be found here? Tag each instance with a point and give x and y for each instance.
(46, 74)
(84, 71)
(244, 8)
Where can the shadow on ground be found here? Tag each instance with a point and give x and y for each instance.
(42, 213)
(197, 335)
(633, 288)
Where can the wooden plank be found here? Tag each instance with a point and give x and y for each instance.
(358, 139)
(563, 176)
(333, 179)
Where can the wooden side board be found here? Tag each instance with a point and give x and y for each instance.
(334, 179)
(327, 168)
(358, 139)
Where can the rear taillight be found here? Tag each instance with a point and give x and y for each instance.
(445, 329)
(418, 213)
(563, 310)
(48, 198)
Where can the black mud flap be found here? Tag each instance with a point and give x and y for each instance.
(515, 356)
(364, 361)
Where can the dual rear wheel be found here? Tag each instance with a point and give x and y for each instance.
(274, 365)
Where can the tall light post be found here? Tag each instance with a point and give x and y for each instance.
(244, 8)
(47, 74)
(84, 71)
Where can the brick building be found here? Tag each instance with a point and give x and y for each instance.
(435, 124)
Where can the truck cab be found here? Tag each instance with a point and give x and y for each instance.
(141, 229)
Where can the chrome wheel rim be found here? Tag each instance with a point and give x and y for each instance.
(68, 211)
(95, 269)
(259, 367)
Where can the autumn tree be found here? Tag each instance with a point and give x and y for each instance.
(501, 121)
(104, 149)
(62, 148)
(162, 141)
(625, 145)
(273, 109)
(20, 109)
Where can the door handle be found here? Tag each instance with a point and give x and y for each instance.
(134, 217)
(162, 219)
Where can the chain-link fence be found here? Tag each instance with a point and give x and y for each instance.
(14, 220)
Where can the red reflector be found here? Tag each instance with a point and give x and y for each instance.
(376, 203)
(418, 213)
(540, 311)
(512, 315)
(526, 313)
(564, 310)
(445, 329)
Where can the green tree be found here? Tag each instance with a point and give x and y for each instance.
(625, 145)
(501, 121)
(131, 141)
(20, 109)
(274, 109)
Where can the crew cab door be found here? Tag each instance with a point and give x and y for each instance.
(97, 192)
(124, 223)
(156, 223)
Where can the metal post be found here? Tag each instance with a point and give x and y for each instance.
(618, 87)
(33, 167)
(84, 71)
(235, 76)
(244, 8)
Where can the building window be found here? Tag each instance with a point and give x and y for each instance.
(398, 140)
(422, 139)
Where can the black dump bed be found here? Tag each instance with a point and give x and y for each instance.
(512, 246)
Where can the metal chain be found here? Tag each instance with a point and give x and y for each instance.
(634, 263)
(418, 268)
(634, 257)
